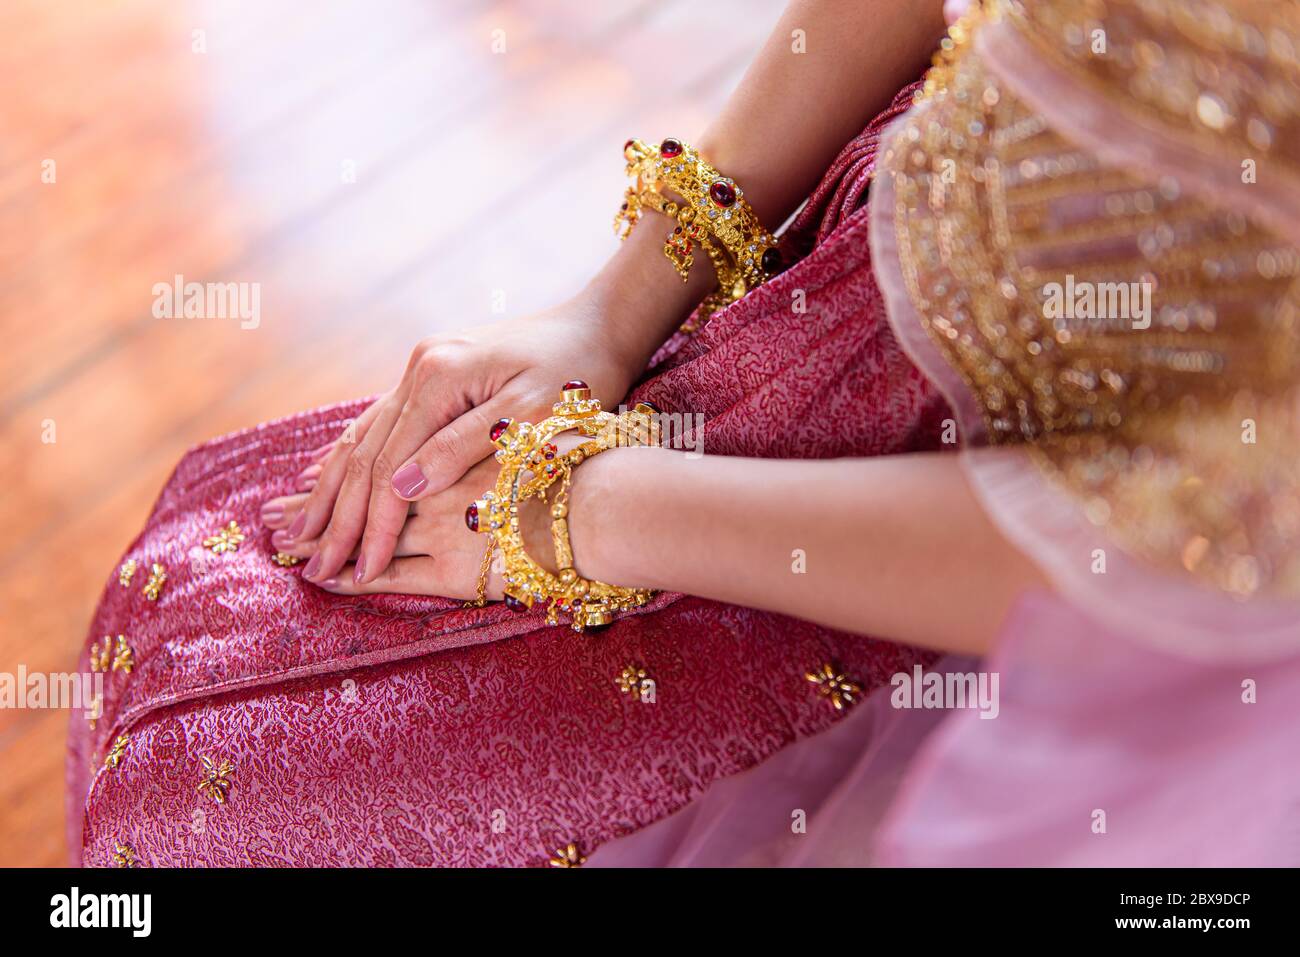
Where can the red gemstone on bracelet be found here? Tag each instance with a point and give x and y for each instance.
(628, 145)
(498, 429)
(722, 193)
(670, 148)
(514, 604)
(471, 516)
(771, 261)
(574, 384)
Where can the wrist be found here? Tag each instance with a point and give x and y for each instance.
(640, 299)
(614, 505)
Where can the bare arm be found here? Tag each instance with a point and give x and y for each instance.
(896, 547)
(776, 135)
(780, 129)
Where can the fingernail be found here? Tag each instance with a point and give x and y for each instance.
(298, 525)
(359, 572)
(308, 485)
(313, 566)
(281, 539)
(272, 513)
(409, 481)
(330, 583)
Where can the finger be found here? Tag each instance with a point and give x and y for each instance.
(279, 513)
(452, 451)
(342, 531)
(442, 575)
(308, 477)
(335, 453)
(311, 521)
(412, 541)
(405, 576)
(426, 412)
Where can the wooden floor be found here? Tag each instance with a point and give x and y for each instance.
(377, 166)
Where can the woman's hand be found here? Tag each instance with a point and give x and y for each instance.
(434, 552)
(421, 437)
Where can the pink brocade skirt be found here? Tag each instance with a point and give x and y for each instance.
(267, 722)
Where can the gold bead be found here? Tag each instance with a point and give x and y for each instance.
(559, 510)
(568, 576)
(579, 588)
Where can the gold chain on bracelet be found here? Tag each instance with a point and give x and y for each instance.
(530, 465)
(712, 214)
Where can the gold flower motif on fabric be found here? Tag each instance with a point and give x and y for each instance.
(833, 685)
(226, 539)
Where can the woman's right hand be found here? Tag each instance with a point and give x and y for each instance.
(422, 436)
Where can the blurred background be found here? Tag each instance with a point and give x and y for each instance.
(382, 169)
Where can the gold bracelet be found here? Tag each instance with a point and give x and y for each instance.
(528, 450)
(713, 214)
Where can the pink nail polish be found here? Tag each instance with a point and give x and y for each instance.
(359, 572)
(298, 525)
(409, 481)
(313, 566)
(272, 513)
(281, 539)
(330, 583)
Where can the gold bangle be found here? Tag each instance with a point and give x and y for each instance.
(713, 214)
(528, 450)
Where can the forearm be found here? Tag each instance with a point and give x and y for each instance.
(799, 102)
(896, 546)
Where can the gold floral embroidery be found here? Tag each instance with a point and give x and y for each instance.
(227, 539)
(117, 752)
(1128, 328)
(124, 856)
(123, 657)
(629, 682)
(157, 579)
(101, 655)
(568, 856)
(127, 571)
(834, 686)
(285, 560)
(216, 782)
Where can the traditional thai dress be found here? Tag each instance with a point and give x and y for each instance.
(1143, 456)
(1065, 155)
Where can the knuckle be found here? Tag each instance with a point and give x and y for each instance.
(396, 573)
(381, 472)
(445, 444)
(358, 467)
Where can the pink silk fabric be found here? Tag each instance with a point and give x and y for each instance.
(1141, 722)
(1105, 752)
(400, 730)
